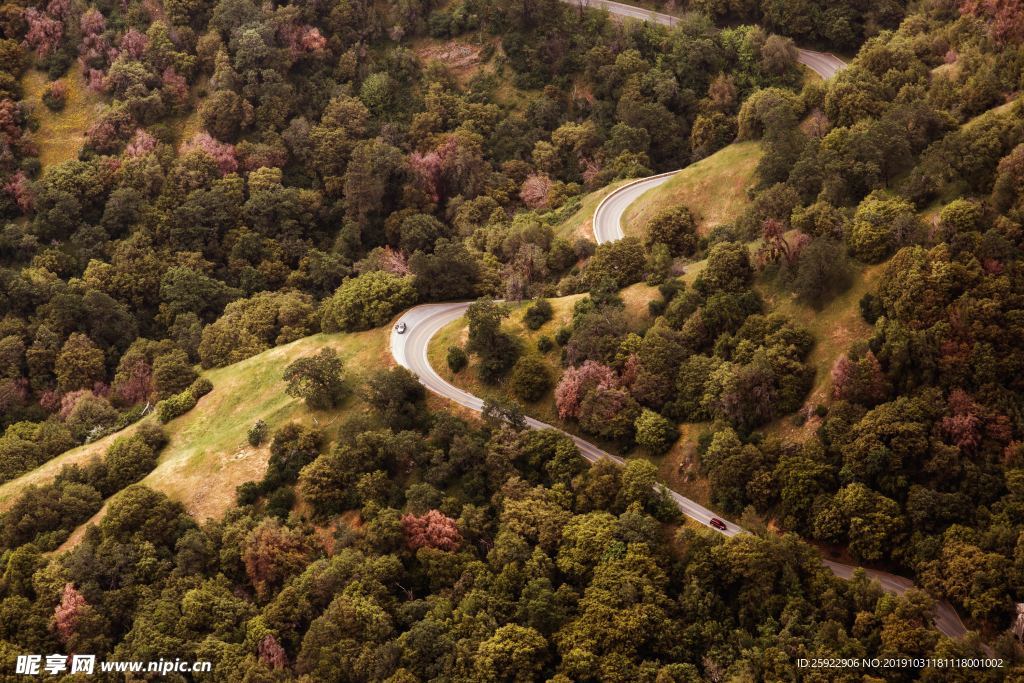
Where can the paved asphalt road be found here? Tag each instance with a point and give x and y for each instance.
(824, 64)
(423, 322)
(410, 351)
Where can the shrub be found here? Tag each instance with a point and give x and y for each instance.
(562, 336)
(91, 417)
(871, 308)
(457, 359)
(128, 460)
(530, 379)
(176, 405)
(248, 493)
(280, 502)
(55, 97)
(200, 387)
(544, 343)
(257, 433)
(538, 313)
(655, 433)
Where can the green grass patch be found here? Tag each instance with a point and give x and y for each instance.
(714, 189)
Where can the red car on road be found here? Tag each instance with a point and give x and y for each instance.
(718, 524)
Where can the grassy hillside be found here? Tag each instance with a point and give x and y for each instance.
(714, 189)
(835, 327)
(61, 134)
(208, 455)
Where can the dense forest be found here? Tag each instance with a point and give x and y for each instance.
(255, 173)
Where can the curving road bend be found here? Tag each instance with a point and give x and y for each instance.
(825, 64)
(423, 322)
(410, 351)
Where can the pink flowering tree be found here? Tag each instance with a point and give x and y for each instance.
(133, 43)
(141, 144)
(44, 32)
(432, 530)
(576, 382)
(221, 152)
(428, 169)
(271, 654)
(68, 613)
(536, 191)
(174, 87)
(20, 190)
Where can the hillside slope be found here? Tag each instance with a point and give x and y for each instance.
(714, 189)
(208, 454)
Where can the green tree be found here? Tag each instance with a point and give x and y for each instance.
(514, 653)
(317, 379)
(79, 364)
(881, 225)
(398, 396)
(654, 432)
(530, 379)
(674, 227)
(496, 348)
(172, 373)
(366, 301)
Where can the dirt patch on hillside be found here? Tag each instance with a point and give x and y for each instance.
(462, 58)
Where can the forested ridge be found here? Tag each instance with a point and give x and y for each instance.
(257, 173)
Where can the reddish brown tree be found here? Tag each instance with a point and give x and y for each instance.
(68, 613)
(536, 190)
(271, 554)
(272, 654)
(577, 381)
(859, 381)
(431, 530)
(1004, 17)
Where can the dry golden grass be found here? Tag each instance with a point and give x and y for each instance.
(714, 189)
(61, 134)
(679, 468)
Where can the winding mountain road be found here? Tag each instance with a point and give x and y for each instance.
(423, 322)
(410, 351)
(825, 64)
